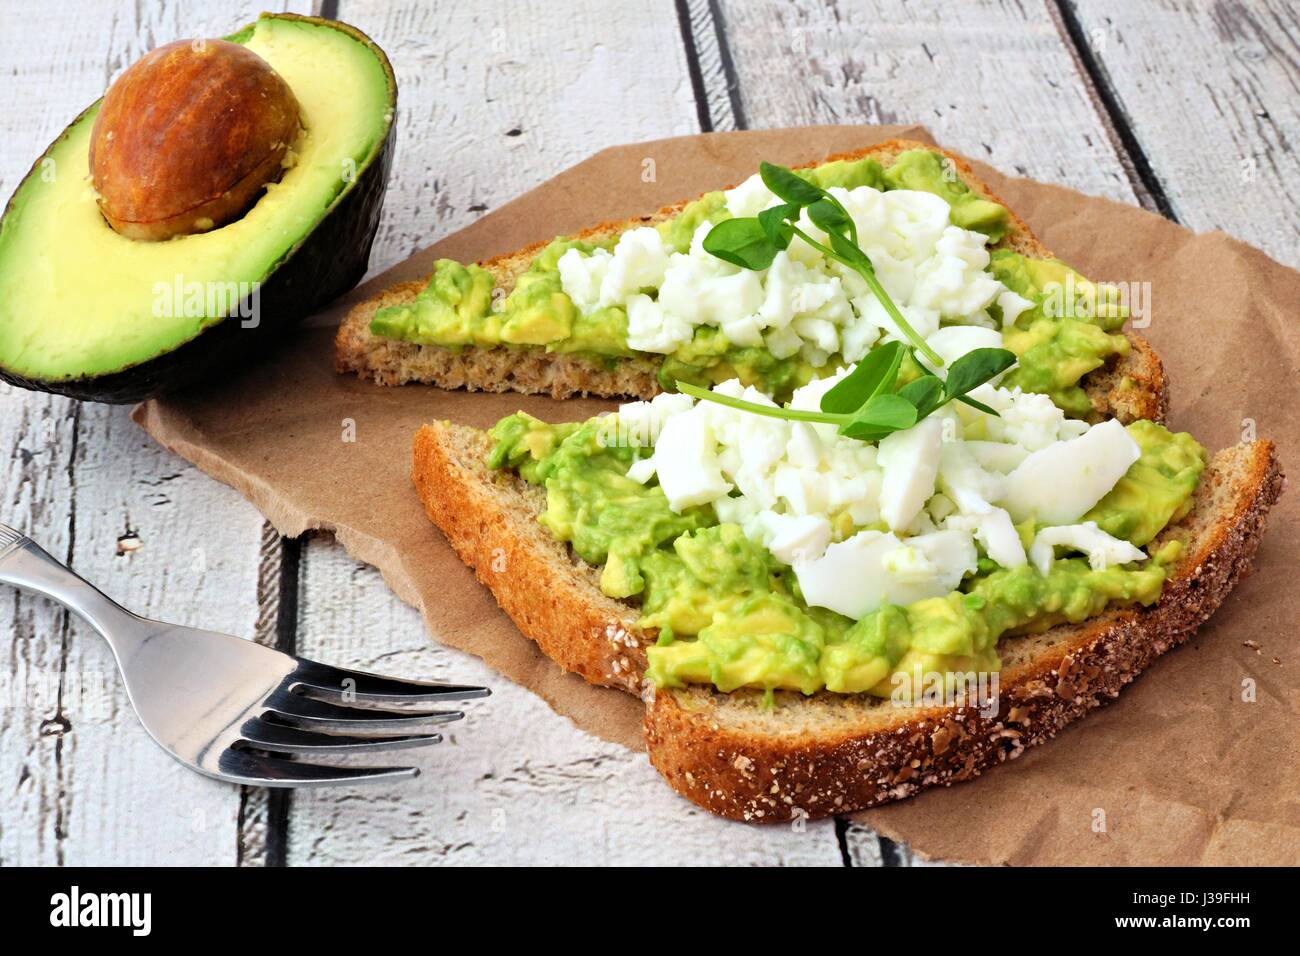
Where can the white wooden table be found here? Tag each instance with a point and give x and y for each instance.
(1187, 108)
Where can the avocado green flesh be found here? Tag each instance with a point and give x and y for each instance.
(537, 313)
(78, 300)
(729, 615)
(1071, 330)
(924, 171)
(1156, 490)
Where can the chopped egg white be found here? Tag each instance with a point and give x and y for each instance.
(603, 278)
(802, 304)
(939, 560)
(791, 539)
(994, 530)
(1013, 305)
(849, 576)
(965, 482)
(910, 462)
(996, 456)
(1028, 419)
(1058, 484)
(1102, 549)
(795, 487)
(749, 198)
(686, 461)
(954, 341)
(953, 282)
(639, 423)
(651, 329)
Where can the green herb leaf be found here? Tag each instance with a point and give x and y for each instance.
(967, 400)
(855, 258)
(876, 373)
(774, 224)
(880, 416)
(743, 242)
(926, 393)
(786, 185)
(975, 368)
(738, 241)
(830, 217)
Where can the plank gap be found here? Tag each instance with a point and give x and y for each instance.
(263, 823)
(693, 67)
(709, 62)
(890, 853)
(1137, 165)
(842, 838)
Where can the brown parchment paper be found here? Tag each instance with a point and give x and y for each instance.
(1180, 770)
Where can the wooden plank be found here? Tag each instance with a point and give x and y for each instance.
(36, 435)
(708, 59)
(515, 783)
(863, 848)
(488, 108)
(1212, 93)
(990, 78)
(84, 784)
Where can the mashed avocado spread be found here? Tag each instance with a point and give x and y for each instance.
(729, 614)
(1058, 341)
(1066, 334)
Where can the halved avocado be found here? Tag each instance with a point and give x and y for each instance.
(91, 314)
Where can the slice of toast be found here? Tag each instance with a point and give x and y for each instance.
(535, 371)
(830, 753)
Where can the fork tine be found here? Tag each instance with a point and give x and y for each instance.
(261, 770)
(311, 714)
(337, 683)
(278, 737)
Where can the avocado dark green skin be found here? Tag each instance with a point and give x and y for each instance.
(329, 261)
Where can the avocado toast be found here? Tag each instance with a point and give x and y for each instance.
(1133, 379)
(771, 582)
(737, 754)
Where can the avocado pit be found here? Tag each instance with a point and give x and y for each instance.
(187, 138)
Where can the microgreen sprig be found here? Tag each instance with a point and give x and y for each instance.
(753, 242)
(865, 405)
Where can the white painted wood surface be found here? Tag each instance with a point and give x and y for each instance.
(1213, 94)
(1169, 104)
(993, 79)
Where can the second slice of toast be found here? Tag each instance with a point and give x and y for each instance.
(1133, 384)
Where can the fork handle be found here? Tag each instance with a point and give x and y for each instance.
(25, 564)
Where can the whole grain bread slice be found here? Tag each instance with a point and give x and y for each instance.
(830, 753)
(1134, 382)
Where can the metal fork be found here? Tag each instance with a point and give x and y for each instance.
(233, 709)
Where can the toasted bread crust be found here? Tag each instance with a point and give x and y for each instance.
(490, 519)
(535, 371)
(733, 769)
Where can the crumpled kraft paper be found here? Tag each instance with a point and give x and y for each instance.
(1197, 762)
